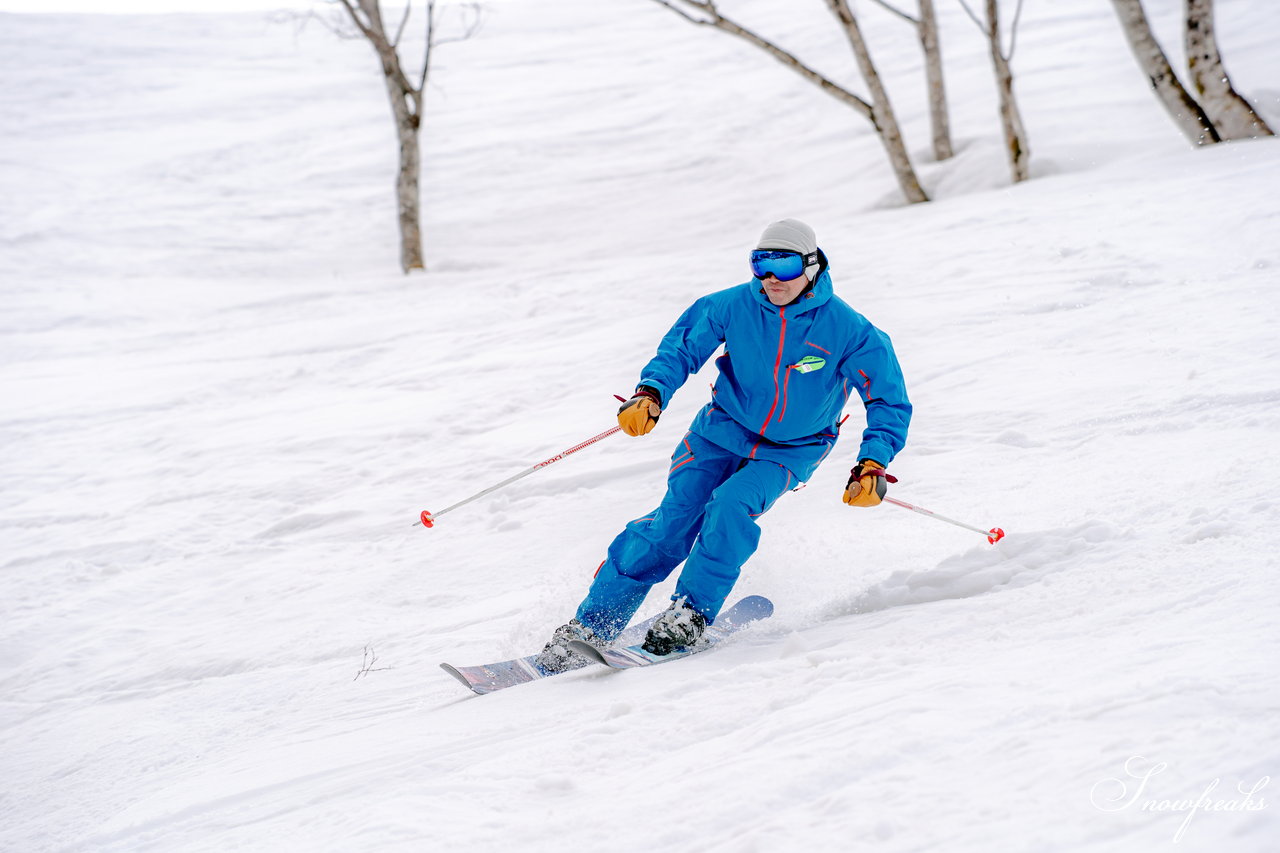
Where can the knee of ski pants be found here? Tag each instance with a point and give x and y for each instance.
(651, 546)
(730, 533)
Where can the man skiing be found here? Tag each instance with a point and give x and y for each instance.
(793, 355)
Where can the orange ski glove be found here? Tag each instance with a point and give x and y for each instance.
(866, 486)
(639, 415)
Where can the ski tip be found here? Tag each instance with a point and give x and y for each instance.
(995, 534)
(452, 670)
(758, 604)
(427, 519)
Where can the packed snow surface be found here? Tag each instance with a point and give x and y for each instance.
(224, 408)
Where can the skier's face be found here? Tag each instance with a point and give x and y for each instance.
(783, 292)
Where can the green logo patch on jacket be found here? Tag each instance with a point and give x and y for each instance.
(810, 363)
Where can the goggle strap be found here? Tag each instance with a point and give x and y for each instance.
(809, 258)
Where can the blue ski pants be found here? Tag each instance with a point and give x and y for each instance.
(707, 520)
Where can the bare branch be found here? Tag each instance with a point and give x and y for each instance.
(477, 20)
(895, 10)
(682, 13)
(972, 16)
(790, 60)
(408, 8)
(367, 663)
(430, 43)
(338, 27)
(473, 17)
(1013, 32)
(355, 18)
(990, 28)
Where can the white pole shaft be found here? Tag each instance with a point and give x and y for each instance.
(932, 514)
(543, 464)
(478, 495)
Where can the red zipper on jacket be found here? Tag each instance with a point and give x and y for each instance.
(777, 363)
(786, 383)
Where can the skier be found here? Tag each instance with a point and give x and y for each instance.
(794, 354)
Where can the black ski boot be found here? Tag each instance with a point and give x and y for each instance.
(678, 627)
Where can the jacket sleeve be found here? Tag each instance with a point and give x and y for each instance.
(684, 349)
(874, 372)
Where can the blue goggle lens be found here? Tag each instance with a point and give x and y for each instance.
(784, 266)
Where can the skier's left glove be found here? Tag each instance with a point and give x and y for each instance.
(639, 415)
(866, 486)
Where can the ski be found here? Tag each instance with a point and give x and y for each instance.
(621, 655)
(492, 677)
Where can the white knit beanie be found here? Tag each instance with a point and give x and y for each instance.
(791, 235)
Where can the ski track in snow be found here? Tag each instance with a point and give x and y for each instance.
(225, 409)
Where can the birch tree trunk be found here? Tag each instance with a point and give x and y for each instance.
(1232, 116)
(926, 27)
(1182, 108)
(882, 117)
(406, 109)
(939, 119)
(1015, 135)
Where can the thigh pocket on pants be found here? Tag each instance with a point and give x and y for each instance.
(683, 455)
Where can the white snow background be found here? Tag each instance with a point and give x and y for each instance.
(223, 408)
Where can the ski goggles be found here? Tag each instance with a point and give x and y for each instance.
(784, 266)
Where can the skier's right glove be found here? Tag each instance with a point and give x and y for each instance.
(639, 415)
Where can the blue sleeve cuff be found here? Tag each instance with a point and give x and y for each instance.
(876, 450)
(663, 391)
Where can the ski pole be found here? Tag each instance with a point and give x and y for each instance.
(993, 535)
(428, 519)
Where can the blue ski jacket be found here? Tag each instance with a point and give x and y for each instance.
(786, 374)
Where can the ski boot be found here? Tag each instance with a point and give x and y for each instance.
(679, 626)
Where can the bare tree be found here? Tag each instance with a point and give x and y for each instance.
(1182, 108)
(367, 663)
(879, 111)
(926, 27)
(882, 117)
(404, 90)
(1232, 116)
(1015, 135)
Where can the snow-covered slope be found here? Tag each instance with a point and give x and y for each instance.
(224, 409)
